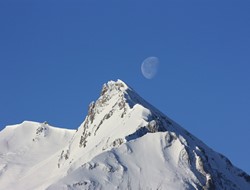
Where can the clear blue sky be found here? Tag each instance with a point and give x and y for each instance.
(54, 58)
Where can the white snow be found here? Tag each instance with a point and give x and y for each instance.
(124, 143)
(23, 147)
(142, 164)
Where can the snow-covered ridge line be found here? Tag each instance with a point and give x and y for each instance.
(123, 143)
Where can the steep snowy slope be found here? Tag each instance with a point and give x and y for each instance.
(124, 143)
(127, 143)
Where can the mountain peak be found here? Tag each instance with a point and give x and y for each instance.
(113, 87)
(123, 143)
(112, 94)
(120, 117)
(120, 99)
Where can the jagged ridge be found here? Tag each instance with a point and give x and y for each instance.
(126, 143)
(117, 97)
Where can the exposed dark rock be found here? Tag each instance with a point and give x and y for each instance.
(117, 142)
(246, 176)
(91, 112)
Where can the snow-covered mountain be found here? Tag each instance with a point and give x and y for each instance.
(26, 147)
(123, 143)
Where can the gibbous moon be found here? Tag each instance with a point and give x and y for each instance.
(149, 67)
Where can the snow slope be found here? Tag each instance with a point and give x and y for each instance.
(123, 143)
(23, 147)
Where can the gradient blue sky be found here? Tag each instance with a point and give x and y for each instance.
(54, 58)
